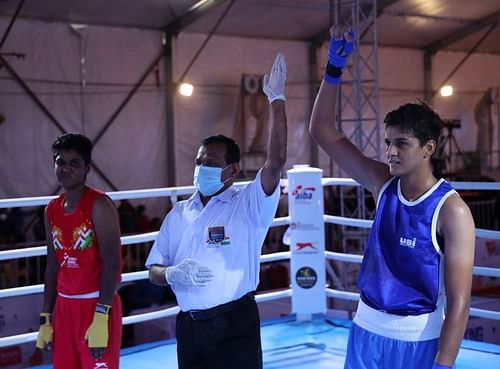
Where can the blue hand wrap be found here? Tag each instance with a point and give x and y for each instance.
(340, 50)
(338, 53)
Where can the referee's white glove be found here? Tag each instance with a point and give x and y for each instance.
(190, 273)
(274, 83)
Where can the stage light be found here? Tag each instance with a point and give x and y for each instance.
(186, 89)
(446, 91)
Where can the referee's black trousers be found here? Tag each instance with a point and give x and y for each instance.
(220, 338)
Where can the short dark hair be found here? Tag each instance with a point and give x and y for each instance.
(232, 148)
(73, 141)
(419, 119)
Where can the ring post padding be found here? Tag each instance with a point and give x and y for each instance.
(307, 241)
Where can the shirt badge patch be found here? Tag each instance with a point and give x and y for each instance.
(57, 238)
(216, 234)
(408, 242)
(82, 237)
(217, 237)
(70, 262)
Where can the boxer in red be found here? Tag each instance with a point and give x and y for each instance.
(81, 316)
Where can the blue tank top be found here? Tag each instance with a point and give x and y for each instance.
(401, 270)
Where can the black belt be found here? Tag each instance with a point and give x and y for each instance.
(220, 309)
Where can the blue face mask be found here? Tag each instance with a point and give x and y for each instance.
(208, 179)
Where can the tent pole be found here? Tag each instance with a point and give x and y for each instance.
(170, 88)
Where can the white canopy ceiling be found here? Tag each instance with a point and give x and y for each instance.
(448, 24)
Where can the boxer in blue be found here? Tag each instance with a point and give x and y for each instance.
(416, 275)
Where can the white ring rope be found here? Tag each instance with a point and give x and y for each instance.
(173, 193)
(127, 277)
(488, 233)
(483, 186)
(363, 223)
(144, 317)
(344, 295)
(187, 190)
(23, 253)
(354, 296)
(20, 291)
(353, 222)
(18, 339)
(171, 311)
(125, 240)
(352, 258)
(267, 258)
(146, 237)
(339, 256)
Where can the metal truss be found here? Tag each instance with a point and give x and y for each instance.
(358, 116)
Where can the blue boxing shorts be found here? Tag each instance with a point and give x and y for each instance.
(367, 350)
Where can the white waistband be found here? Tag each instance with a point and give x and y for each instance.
(90, 295)
(405, 328)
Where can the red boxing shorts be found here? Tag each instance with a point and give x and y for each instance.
(72, 318)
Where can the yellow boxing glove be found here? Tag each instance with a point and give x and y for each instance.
(97, 333)
(46, 332)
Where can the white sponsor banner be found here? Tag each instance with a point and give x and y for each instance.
(307, 240)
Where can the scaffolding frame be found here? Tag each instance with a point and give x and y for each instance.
(359, 116)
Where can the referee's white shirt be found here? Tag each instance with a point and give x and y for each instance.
(189, 231)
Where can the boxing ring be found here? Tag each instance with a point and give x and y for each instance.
(302, 339)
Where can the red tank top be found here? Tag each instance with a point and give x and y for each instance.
(75, 244)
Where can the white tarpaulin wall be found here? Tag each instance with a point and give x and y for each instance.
(401, 80)
(132, 152)
(213, 107)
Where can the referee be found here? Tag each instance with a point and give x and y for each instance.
(208, 248)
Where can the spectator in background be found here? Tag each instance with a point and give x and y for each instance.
(155, 224)
(127, 217)
(142, 223)
(15, 224)
(3, 226)
(39, 226)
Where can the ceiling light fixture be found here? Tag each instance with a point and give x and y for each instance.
(446, 91)
(186, 89)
